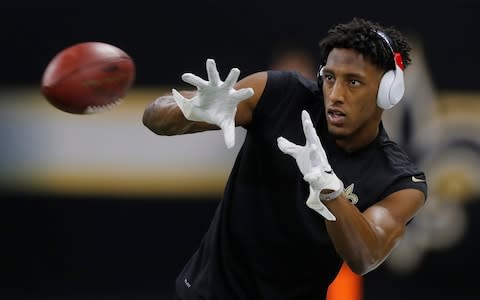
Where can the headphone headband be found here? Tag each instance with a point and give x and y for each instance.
(397, 57)
(386, 39)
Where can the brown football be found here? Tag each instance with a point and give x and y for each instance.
(88, 77)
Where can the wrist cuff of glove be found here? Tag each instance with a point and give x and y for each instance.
(332, 195)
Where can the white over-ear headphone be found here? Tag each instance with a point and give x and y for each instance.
(392, 84)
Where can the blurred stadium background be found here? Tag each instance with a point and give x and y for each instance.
(98, 207)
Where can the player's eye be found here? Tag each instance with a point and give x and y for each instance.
(354, 82)
(328, 77)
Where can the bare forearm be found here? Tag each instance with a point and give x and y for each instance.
(164, 117)
(361, 244)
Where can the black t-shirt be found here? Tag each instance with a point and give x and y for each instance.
(263, 241)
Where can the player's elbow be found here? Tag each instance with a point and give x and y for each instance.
(150, 120)
(370, 259)
(364, 266)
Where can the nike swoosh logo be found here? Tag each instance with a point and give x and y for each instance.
(329, 171)
(415, 179)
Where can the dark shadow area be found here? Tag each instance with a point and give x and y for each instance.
(87, 248)
(167, 39)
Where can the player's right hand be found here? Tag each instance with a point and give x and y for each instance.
(215, 101)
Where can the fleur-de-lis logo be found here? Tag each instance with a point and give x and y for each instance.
(350, 194)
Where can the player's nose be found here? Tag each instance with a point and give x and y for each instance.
(337, 92)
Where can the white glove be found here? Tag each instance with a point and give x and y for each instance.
(313, 163)
(215, 101)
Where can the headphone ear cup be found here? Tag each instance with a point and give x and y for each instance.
(383, 95)
(391, 88)
(320, 76)
(398, 86)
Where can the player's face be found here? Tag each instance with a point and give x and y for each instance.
(350, 85)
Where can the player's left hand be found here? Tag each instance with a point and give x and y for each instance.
(313, 163)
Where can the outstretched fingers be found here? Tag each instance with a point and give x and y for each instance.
(288, 147)
(232, 78)
(183, 103)
(194, 80)
(313, 141)
(178, 97)
(310, 132)
(212, 72)
(242, 94)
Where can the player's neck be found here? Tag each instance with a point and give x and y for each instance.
(357, 140)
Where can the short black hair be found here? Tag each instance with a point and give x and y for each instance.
(361, 35)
